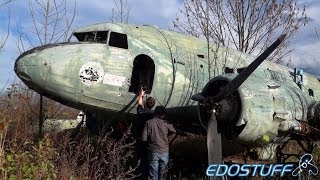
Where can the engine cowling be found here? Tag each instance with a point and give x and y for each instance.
(253, 114)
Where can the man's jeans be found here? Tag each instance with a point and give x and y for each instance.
(158, 165)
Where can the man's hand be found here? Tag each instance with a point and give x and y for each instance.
(140, 98)
(141, 92)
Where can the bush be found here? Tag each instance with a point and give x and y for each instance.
(55, 156)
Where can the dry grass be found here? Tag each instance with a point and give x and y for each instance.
(55, 156)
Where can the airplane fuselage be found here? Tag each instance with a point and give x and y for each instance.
(110, 63)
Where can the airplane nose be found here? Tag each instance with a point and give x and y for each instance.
(20, 68)
(30, 68)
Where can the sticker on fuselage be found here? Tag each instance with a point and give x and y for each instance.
(91, 73)
(114, 80)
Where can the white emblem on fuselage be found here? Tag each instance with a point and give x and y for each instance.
(91, 73)
(114, 80)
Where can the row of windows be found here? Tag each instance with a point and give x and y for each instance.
(116, 39)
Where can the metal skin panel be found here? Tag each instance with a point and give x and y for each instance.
(62, 72)
(264, 99)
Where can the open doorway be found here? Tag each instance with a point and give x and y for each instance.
(142, 74)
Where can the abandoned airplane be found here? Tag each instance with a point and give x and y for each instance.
(221, 90)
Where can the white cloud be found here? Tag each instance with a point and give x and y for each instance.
(306, 42)
(307, 57)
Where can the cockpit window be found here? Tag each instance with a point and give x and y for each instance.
(95, 36)
(118, 40)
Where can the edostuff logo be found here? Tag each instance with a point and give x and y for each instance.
(305, 165)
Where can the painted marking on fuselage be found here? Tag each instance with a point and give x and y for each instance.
(91, 73)
(114, 80)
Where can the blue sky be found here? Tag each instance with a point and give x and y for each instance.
(158, 12)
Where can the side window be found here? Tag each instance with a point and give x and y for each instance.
(118, 40)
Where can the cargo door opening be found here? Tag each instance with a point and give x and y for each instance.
(142, 74)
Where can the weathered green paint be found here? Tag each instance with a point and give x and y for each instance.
(268, 97)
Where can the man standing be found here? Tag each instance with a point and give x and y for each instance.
(155, 134)
(144, 113)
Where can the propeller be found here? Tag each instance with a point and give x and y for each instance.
(233, 85)
(213, 136)
(214, 140)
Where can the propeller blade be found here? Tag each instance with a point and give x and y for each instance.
(214, 141)
(233, 85)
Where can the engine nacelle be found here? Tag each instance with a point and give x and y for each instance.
(255, 111)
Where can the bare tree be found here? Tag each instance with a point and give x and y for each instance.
(121, 11)
(247, 25)
(4, 39)
(51, 24)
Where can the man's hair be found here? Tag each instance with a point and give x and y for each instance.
(150, 102)
(160, 110)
